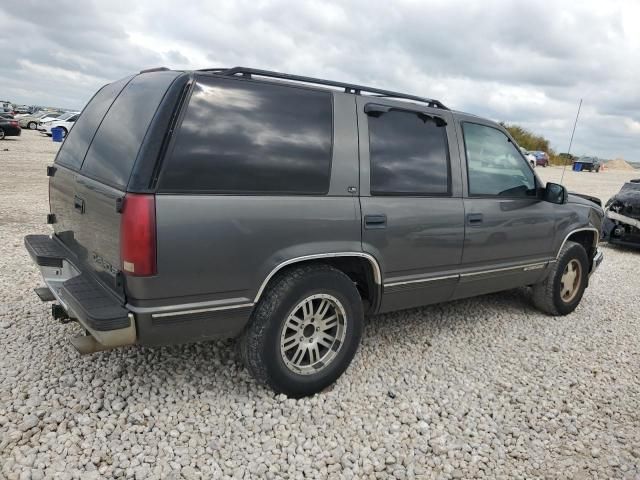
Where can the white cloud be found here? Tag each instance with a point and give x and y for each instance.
(521, 62)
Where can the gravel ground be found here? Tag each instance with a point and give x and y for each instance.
(486, 387)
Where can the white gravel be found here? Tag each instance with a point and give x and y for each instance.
(486, 387)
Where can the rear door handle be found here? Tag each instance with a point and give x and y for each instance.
(375, 221)
(474, 218)
(78, 203)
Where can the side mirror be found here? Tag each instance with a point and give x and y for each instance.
(555, 193)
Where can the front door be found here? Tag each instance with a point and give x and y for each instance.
(509, 230)
(412, 210)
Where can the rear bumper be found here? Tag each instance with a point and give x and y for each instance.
(12, 131)
(84, 298)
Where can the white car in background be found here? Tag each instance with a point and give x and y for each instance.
(531, 158)
(65, 122)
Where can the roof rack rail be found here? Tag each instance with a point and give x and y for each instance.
(348, 87)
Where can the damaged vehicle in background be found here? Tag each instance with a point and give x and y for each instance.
(621, 225)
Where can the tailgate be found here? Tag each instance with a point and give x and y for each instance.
(93, 169)
(88, 223)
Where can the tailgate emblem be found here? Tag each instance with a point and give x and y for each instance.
(104, 265)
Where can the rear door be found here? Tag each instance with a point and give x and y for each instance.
(412, 210)
(94, 165)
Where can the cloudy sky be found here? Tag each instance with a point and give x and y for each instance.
(525, 62)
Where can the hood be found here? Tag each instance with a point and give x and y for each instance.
(583, 199)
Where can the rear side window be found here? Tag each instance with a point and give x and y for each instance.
(249, 137)
(408, 154)
(77, 142)
(114, 149)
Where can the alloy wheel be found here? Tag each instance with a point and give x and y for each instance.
(313, 334)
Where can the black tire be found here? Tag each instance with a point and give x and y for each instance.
(32, 125)
(547, 295)
(260, 344)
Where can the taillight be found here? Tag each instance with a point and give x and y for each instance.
(138, 235)
(13, 123)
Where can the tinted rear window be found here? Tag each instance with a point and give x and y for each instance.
(75, 145)
(409, 155)
(114, 149)
(250, 137)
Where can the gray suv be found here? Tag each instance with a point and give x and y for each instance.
(281, 209)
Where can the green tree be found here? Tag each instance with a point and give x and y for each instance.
(530, 141)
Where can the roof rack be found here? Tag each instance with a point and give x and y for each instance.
(348, 87)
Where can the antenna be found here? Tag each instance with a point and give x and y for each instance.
(571, 141)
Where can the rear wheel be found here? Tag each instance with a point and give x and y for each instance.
(305, 330)
(32, 125)
(1, 134)
(561, 291)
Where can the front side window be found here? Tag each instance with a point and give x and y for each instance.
(494, 165)
(252, 137)
(408, 154)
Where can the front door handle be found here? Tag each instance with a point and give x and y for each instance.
(78, 203)
(474, 218)
(375, 221)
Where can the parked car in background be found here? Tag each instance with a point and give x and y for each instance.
(590, 164)
(50, 116)
(64, 124)
(296, 211)
(7, 115)
(531, 158)
(541, 158)
(46, 121)
(20, 109)
(6, 106)
(9, 128)
(31, 121)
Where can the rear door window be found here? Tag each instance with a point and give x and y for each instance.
(114, 149)
(75, 146)
(252, 137)
(409, 154)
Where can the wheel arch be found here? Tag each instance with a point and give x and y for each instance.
(361, 267)
(588, 237)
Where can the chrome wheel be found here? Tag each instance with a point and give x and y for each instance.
(570, 281)
(1, 134)
(32, 125)
(313, 334)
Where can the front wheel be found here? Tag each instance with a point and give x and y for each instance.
(561, 291)
(32, 125)
(1, 134)
(304, 332)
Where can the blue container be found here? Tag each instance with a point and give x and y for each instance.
(57, 134)
(577, 167)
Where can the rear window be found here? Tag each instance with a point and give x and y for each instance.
(114, 149)
(77, 142)
(248, 137)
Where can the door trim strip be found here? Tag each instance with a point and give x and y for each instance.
(199, 310)
(421, 280)
(524, 268)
